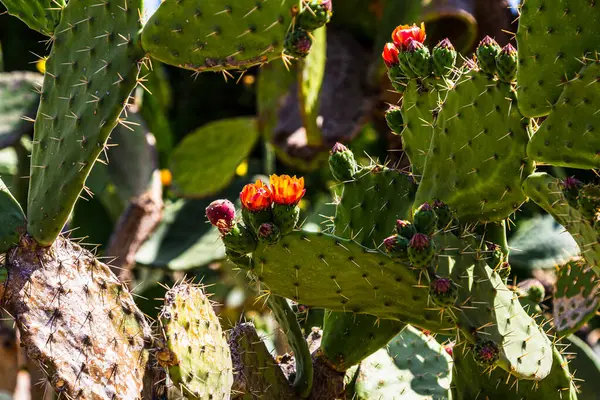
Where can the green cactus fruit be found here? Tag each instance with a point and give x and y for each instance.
(576, 298)
(199, 362)
(414, 366)
(297, 43)
(477, 159)
(239, 239)
(421, 250)
(424, 219)
(405, 229)
(40, 15)
(533, 290)
(588, 200)
(249, 354)
(405, 65)
(568, 137)
(393, 117)
(77, 320)
(443, 291)
(486, 352)
(570, 187)
(218, 35)
(255, 219)
(553, 38)
(397, 247)
(443, 214)
(350, 338)
(286, 217)
(487, 51)
(444, 58)
(504, 270)
(268, 233)
(12, 219)
(342, 163)
(547, 192)
(495, 256)
(90, 74)
(418, 58)
(398, 79)
(506, 64)
(314, 14)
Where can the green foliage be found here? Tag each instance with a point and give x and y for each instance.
(12, 219)
(40, 15)
(17, 99)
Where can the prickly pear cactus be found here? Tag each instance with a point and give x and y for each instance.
(77, 321)
(40, 15)
(90, 74)
(576, 296)
(217, 35)
(195, 352)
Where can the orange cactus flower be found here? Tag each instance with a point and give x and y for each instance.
(256, 196)
(404, 34)
(390, 55)
(287, 190)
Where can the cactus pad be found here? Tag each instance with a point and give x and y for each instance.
(12, 219)
(217, 35)
(569, 136)
(546, 191)
(39, 15)
(77, 320)
(477, 159)
(553, 37)
(576, 296)
(199, 358)
(90, 74)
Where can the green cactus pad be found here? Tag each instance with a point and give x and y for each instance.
(255, 373)
(205, 161)
(40, 15)
(12, 219)
(18, 99)
(218, 35)
(199, 359)
(326, 271)
(488, 310)
(77, 321)
(553, 37)
(421, 99)
(350, 338)
(470, 381)
(371, 203)
(576, 296)
(569, 137)
(90, 74)
(477, 159)
(546, 191)
(414, 366)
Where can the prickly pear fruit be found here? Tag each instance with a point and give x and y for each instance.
(405, 229)
(506, 63)
(444, 58)
(443, 214)
(342, 163)
(221, 210)
(315, 14)
(533, 290)
(418, 58)
(424, 219)
(286, 217)
(397, 246)
(503, 270)
(486, 352)
(393, 117)
(443, 292)
(495, 256)
(397, 77)
(570, 187)
(238, 238)
(487, 51)
(297, 43)
(421, 250)
(405, 65)
(269, 233)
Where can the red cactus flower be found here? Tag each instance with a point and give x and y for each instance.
(287, 190)
(404, 34)
(390, 55)
(256, 196)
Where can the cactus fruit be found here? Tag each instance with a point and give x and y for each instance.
(315, 14)
(421, 250)
(218, 35)
(576, 298)
(533, 290)
(418, 58)
(239, 239)
(221, 210)
(405, 229)
(90, 74)
(393, 117)
(444, 58)
(268, 233)
(250, 354)
(77, 320)
(570, 187)
(397, 247)
(298, 43)
(443, 292)
(553, 37)
(342, 164)
(487, 51)
(506, 64)
(40, 15)
(486, 352)
(568, 136)
(424, 219)
(443, 213)
(194, 351)
(12, 220)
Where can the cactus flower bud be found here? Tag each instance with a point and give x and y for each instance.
(405, 229)
(506, 63)
(504, 271)
(221, 213)
(403, 34)
(420, 250)
(390, 55)
(443, 214)
(533, 290)
(443, 292)
(486, 352)
(444, 58)
(396, 246)
(315, 14)
(424, 219)
(269, 233)
(571, 186)
(297, 43)
(393, 117)
(495, 256)
(486, 52)
(418, 58)
(342, 163)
